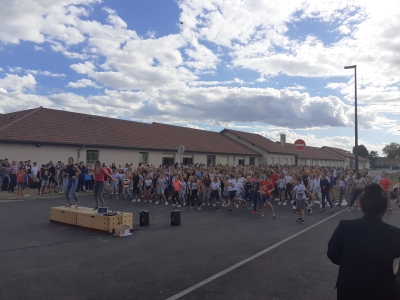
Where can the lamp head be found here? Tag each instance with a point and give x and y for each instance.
(350, 67)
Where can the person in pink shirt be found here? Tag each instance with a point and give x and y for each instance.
(177, 188)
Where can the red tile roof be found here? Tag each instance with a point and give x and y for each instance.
(44, 125)
(260, 141)
(310, 152)
(344, 153)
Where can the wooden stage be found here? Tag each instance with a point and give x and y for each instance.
(88, 218)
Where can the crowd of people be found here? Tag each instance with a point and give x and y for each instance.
(196, 185)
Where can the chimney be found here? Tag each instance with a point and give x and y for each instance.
(283, 139)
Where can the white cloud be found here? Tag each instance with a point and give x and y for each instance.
(38, 48)
(15, 83)
(44, 73)
(194, 126)
(82, 83)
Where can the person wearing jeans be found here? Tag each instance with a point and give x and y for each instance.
(98, 188)
(325, 190)
(73, 175)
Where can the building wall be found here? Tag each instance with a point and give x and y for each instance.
(55, 153)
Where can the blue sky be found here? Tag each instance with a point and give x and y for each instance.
(259, 66)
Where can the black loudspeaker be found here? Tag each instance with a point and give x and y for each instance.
(175, 218)
(144, 217)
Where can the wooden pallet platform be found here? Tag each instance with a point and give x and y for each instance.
(88, 218)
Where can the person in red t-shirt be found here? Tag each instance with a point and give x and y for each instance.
(266, 188)
(386, 184)
(177, 188)
(20, 181)
(274, 180)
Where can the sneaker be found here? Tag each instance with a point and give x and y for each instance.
(349, 209)
(344, 203)
(112, 193)
(322, 209)
(61, 192)
(77, 205)
(296, 211)
(178, 205)
(237, 205)
(199, 208)
(391, 209)
(166, 202)
(96, 208)
(261, 215)
(68, 205)
(184, 203)
(116, 193)
(157, 202)
(284, 203)
(302, 222)
(309, 210)
(279, 203)
(133, 200)
(273, 216)
(339, 204)
(173, 205)
(203, 204)
(217, 208)
(294, 207)
(26, 195)
(150, 201)
(230, 210)
(253, 212)
(214, 205)
(209, 205)
(145, 201)
(299, 220)
(291, 201)
(138, 200)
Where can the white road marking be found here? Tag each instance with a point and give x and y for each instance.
(237, 265)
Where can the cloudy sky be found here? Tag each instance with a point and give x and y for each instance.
(261, 66)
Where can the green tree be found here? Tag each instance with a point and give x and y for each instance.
(373, 156)
(392, 150)
(362, 151)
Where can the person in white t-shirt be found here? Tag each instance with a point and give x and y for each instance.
(300, 192)
(231, 184)
(35, 171)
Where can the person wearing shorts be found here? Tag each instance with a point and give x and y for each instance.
(160, 184)
(267, 188)
(44, 177)
(20, 181)
(231, 183)
(300, 192)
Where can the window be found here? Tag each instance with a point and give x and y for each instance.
(211, 160)
(272, 160)
(278, 160)
(143, 158)
(168, 161)
(187, 160)
(241, 162)
(252, 161)
(285, 161)
(92, 156)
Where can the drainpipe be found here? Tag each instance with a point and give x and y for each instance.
(79, 153)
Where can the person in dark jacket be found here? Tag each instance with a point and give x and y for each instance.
(365, 250)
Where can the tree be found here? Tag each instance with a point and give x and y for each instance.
(373, 156)
(392, 150)
(362, 151)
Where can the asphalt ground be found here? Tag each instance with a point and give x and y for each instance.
(44, 260)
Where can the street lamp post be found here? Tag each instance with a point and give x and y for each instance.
(355, 116)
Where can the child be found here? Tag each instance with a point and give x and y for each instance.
(240, 195)
(182, 193)
(44, 176)
(126, 182)
(300, 192)
(26, 184)
(342, 185)
(215, 186)
(88, 181)
(20, 181)
(255, 192)
(386, 184)
(177, 188)
(267, 188)
(161, 184)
